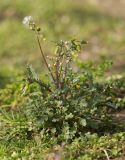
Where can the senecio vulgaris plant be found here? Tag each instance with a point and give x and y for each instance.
(71, 102)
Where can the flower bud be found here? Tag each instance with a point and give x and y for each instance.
(38, 29)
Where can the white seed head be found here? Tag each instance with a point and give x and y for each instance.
(28, 21)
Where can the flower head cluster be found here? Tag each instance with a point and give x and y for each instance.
(28, 21)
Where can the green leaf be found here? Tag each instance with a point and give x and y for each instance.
(83, 122)
(69, 116)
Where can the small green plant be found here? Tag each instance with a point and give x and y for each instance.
(71, 102)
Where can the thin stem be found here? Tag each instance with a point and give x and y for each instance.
(107, 156)
(67, 66)
(38, 40)
(61, 72)
(57, 72)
